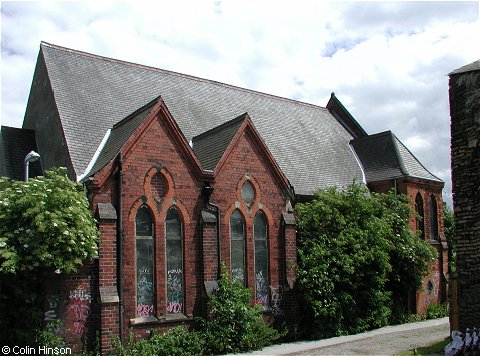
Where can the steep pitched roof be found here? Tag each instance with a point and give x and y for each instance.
(15, 144)
(467, 68)
(384, 156)
(93, 93)
(211, 145)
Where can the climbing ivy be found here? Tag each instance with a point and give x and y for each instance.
(45, 224)
(358, 258)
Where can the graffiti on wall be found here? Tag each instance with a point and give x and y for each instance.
(76, 313)
(174, 291)
(261, 289)
(145, 293)
(277, 298)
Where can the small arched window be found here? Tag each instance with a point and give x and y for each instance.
(420, 215)
(237, 247)
(433, 218)
(261, 258)
(174, 261)
(248, 193)
(144, 262)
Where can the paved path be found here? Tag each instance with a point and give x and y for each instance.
(389, 340)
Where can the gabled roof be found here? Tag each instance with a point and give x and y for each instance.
(467, 68)
(384, 156)
(339, 111)
(93, 93)
(211, 145)
(15, 144)
(123, 133)
(214, 146)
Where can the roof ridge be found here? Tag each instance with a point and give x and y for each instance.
(178, 74)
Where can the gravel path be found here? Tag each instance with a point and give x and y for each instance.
(389, 340)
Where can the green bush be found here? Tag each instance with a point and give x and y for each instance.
(234, 324)
(46, 227)
(176, 342)
(435, 311)
(357, 259)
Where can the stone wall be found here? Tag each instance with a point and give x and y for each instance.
(465, 144)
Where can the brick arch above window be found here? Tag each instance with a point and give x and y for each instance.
(159, 184)
(256, 189)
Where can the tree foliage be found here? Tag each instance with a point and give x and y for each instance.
(233, 324)
(45, 224)
(357, 255)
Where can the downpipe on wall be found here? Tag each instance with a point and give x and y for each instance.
(119, 242)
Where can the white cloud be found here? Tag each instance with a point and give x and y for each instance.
(386, 61)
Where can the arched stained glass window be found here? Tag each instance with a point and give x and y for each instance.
(420, 215)
(433, 218)
(261, 258)
(174, 260)
(237, 247)
(144, 262)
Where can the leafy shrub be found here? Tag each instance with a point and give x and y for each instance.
(176, 342)
(46, 226)
(234, 324)
(45, 223)
(356, 254)
(435, 311)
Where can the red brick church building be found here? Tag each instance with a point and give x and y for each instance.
(185, 173)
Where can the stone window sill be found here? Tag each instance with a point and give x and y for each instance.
(172, 318)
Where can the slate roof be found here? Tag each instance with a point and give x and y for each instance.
(118, 136)
(210, 146)
(384, 156)
(467, 68)
(93, 93)
(15, 144)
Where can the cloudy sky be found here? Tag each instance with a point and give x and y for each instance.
(386, 61)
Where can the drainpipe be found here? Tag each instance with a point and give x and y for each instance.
(207, 192)
(119, 242)
(217, 216)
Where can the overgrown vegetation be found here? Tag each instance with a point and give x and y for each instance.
(358, 260)
(234, 325)
(449, 225)
(46, 227)
(176, 342)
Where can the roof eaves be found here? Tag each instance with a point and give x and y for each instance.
(403, 168)
(86, 174)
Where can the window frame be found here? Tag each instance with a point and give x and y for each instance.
(178, 307)
(261, 214)
(244, 240)
(146, 310)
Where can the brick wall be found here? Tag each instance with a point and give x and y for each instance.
(159, 174)
(465, 145)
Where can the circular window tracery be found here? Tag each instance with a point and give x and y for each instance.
(248, 193)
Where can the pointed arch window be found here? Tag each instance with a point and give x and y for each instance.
(144, 252)
(237, 247)
(261, 258)
(174, 261)
(420, 215)
(433, 218)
